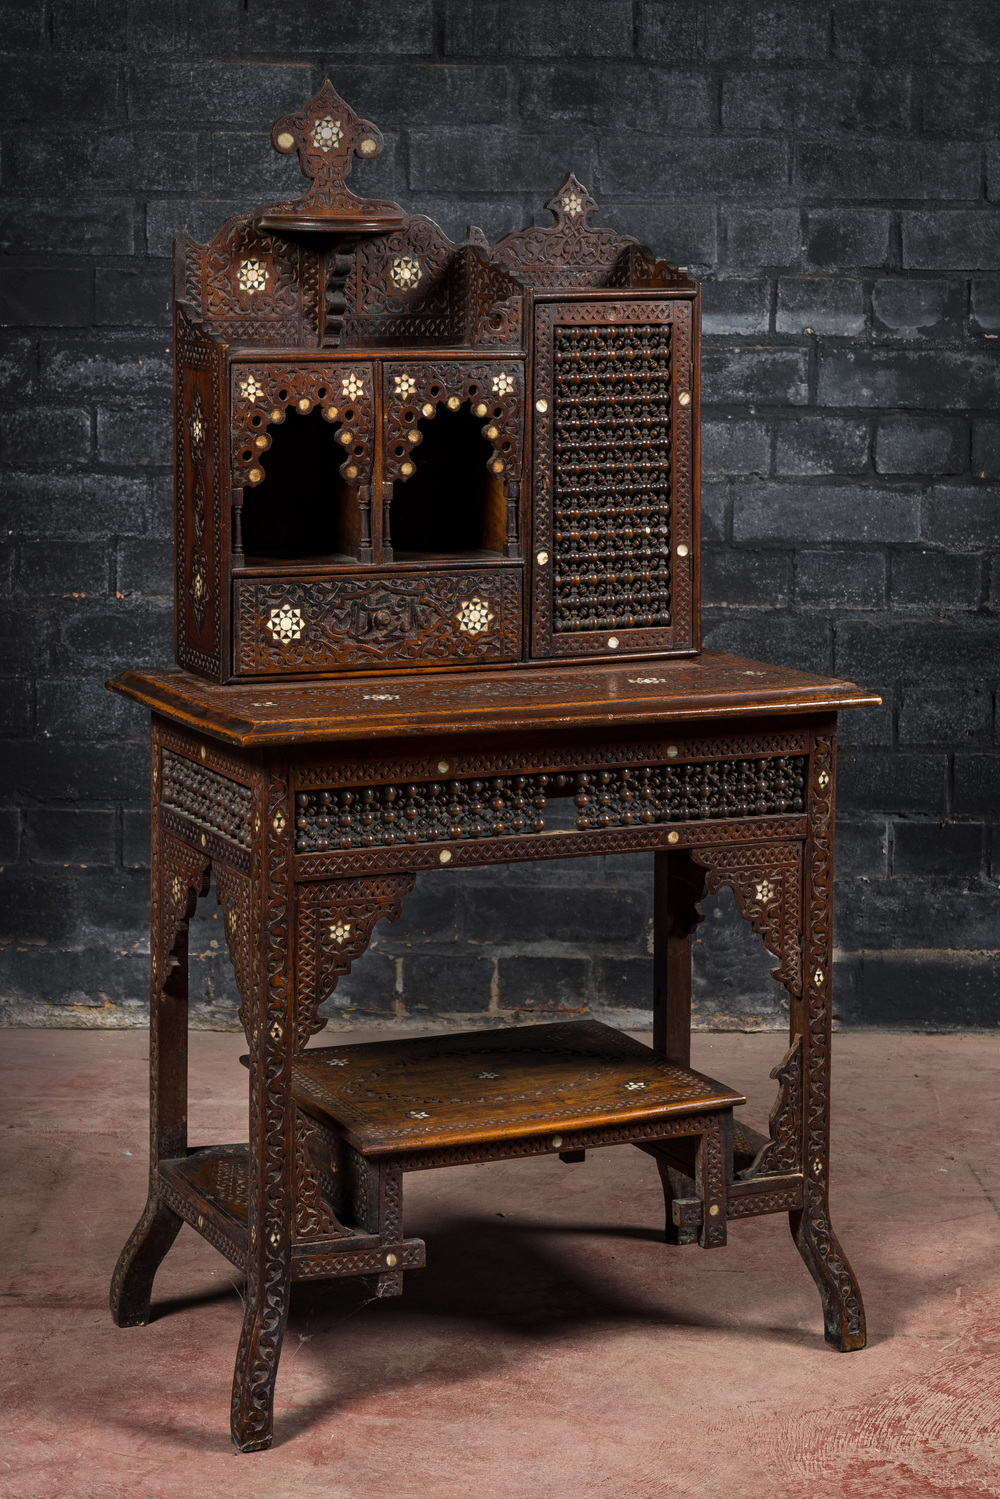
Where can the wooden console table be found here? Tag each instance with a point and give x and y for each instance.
(315, 805)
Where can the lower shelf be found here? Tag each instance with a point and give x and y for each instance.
(208, 1189)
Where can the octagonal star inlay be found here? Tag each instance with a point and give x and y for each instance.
(503, 383)
(404, 385)
(252, 275)
(405, 272)
(417, 1114)
(251, 389)
(474, 616)
(764, 890)
(352, 387)
(572, 204)
(285, 623)
(633, 1087)
(340, 931)
(326, 133)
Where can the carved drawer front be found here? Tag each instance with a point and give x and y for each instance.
(369, 621)
(613, 540)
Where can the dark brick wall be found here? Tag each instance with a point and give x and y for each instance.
(829, 169)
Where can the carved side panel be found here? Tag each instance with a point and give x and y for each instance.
(253, 286)
(406, 287)
(263, 394)
(413, 392)
(201, 537)
(334, 925)
(352, 622)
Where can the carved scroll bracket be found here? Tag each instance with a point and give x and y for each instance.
(334, 925)
(183, 879)
(766, 881)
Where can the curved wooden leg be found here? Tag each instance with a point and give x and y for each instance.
(257, 1367)
(843, 1309)
(132, 1282)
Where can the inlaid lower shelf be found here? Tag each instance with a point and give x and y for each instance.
(208, 1189)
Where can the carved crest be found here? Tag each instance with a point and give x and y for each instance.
(327, 135)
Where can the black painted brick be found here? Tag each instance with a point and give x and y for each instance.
(946, 240)
(985, 306)
(641, 164)
(772, 377)
(870, 781)
(69, 708)
(986, 448)
(888, 169)
(129, 439)
(71, 835)
(548, 984)
(44, 435)
(67, 568)
(738, 305)
(916, 650)
(838, 237)
(952, 849)
(446, 983)
(914, 308)
(861, 849)
(10, 835)
(946, 715)
(936, 580)
(735, 447)
(138, 297)
(933, 990)
(58, 504)
(928, 379)
(47, 297)
(840, 579)
(921, 445)
(146, 567)
(822, 445)
(736, 579)
(762, 236)
(961, 518)
(820, 304)
(977, 786)
(18, 365)
(135, 838)
(796, 513)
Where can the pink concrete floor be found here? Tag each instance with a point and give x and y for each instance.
(552, 1348)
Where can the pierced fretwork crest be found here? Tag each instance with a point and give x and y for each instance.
(327, 135)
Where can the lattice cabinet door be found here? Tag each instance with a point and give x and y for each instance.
(614, 418)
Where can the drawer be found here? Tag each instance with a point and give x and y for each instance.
(364, 621)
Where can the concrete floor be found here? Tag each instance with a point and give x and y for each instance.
(553, 1348)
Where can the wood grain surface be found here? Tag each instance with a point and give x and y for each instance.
(714, 684)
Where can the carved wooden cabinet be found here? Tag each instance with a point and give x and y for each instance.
(429, 495)
(394, 451)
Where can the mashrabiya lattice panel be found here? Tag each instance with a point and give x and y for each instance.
(611, 477)
(502, 806)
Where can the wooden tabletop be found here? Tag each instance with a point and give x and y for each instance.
(431, 1091)
(712, 685)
